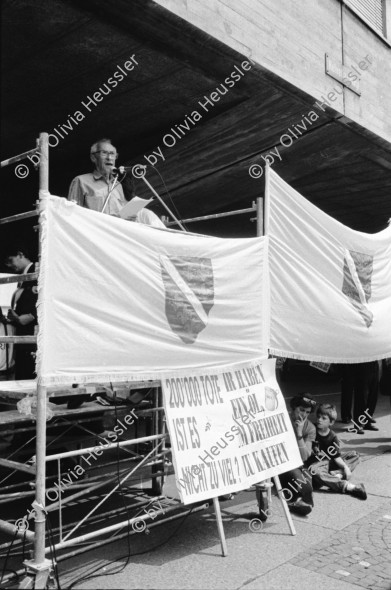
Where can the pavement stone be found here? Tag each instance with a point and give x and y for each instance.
(367, 566)
(289, 576)
(326, 553)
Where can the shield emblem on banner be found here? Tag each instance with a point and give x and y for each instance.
(357, 279)
(189, 288)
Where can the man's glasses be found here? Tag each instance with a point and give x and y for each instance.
(106, 153)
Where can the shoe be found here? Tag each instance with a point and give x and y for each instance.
(360, 431)
(299, 507)
(370, 427)
(372, 420)
(358, 492)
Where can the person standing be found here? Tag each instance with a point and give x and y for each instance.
(347, 392)
(360, 387)
(92, 189)
(23, 313)
(373, 372)
(102, 189)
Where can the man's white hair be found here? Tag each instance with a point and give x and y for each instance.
(95, 146)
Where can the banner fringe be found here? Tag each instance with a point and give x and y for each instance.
(327, 359)
(132, 375)
(43, 212)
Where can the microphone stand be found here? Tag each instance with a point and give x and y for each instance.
(162, 202)
(109, 193)
(153, 191)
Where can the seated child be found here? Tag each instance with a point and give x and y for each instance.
(327, 466)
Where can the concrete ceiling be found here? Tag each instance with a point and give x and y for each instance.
(56, 53)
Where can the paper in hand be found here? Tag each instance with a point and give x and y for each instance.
(131, 208)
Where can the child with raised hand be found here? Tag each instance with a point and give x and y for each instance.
(327, 466)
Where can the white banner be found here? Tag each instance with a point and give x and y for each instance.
(120, 300)
(6, 350)
(228, 429)
(330, 285)
(6, 292)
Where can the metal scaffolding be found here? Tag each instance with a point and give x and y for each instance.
(39, 567)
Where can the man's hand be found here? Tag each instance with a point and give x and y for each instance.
(20, 320)
(12, 317)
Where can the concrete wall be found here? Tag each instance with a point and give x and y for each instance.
(373, 108)
(290, 38)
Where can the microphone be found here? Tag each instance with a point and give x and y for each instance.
(123, 169)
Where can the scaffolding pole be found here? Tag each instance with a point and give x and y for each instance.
(214, 216)
(19, 157)
(39, 566)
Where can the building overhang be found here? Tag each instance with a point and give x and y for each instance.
(57, 55)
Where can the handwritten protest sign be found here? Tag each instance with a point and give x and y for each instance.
(229, 429)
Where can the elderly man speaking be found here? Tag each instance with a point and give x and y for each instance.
(91, 190)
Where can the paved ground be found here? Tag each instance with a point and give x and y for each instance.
(344, 544)
(360, 553)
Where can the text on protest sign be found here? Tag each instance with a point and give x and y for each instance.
(229, 429)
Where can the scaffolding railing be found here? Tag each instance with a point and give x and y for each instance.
(39, 566)
(257, 208)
